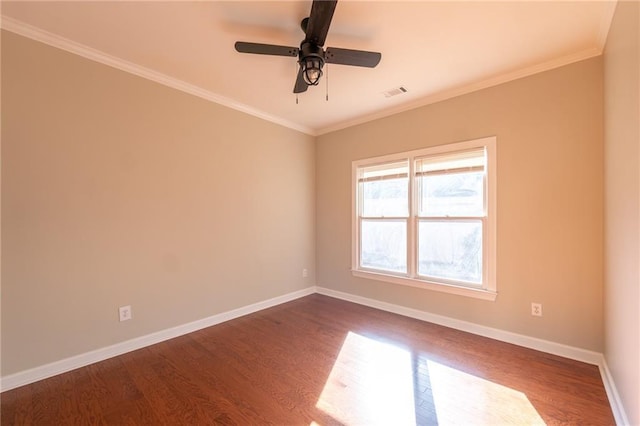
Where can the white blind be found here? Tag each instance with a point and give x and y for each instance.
(395, 170)
(472, 160)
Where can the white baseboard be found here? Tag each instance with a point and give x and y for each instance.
(42, 372)
(481, 330)
(612, 393)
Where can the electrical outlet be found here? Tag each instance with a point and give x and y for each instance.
(305, 273)
(536, 309)
(125, 313)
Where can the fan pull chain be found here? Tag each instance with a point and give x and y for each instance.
(327, 83)
(295, 76)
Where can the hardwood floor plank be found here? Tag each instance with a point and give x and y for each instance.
(319, 361)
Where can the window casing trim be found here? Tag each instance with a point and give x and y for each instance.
(443, 287)
(488, 289)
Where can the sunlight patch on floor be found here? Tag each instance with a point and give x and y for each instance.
(377, 383)
(461, 398)
(371, 383)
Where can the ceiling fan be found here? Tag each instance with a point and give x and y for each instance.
(311, 55)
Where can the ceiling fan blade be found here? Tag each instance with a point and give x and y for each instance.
(265, 49)
(319, 21)
(301, 85)
(358, 58)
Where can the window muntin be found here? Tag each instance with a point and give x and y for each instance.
(427, 217)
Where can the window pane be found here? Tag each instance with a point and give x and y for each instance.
(456, 194)
(383, 245)
(388, 197)
(450, 250)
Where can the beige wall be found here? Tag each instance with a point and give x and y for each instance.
(622, 205)
(550, 193)
(117, 190)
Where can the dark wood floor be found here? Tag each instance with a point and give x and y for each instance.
(319, 360)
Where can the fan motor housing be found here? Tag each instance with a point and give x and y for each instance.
(310, 50)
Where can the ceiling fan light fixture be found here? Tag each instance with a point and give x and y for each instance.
(312, 69)
(311, 62)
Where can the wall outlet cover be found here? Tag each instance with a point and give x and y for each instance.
(536, 309)
(125, 313)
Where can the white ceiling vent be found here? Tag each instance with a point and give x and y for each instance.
(395, 91)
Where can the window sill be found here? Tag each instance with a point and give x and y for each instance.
(476, 293)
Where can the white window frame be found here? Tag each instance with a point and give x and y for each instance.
(487, 290)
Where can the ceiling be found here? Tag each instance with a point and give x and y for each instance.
(434, 49)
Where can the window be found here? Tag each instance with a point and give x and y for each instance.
(426, 218)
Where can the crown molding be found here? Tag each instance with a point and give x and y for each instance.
(466, 89)
(35, 33)
(51, 39)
